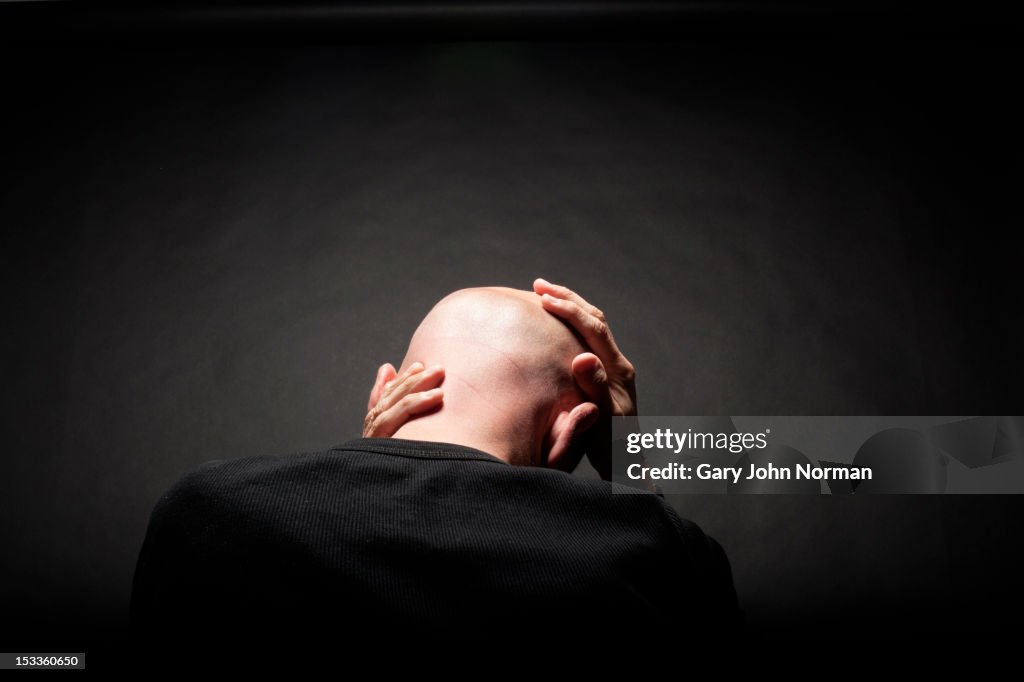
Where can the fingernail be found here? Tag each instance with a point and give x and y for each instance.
(433, 393)
(416, 365)
(543, 281)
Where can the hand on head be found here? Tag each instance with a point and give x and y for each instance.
(604, 378)
(394, 399)
(605, 375)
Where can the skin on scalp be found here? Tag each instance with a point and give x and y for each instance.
(507, 372)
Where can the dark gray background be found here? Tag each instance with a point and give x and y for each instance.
(208, 253)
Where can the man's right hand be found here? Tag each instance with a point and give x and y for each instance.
(605, 375)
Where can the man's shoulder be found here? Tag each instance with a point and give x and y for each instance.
(515, 479)
(213, 471)
(218, 479)
(256, 479)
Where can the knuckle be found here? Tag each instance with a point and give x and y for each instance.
(600, 327)
(404, 387)
(628, 371)
(599, 314)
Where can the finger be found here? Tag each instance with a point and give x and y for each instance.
(416, 381)
(590, 374)
(580, 419)
(393, 406)
(402, 378)
(588, 414)
(385, 373)
(593, 330)
(427, 379)
(391, 419)
(542, 286)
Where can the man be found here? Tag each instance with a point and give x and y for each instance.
(463, 523)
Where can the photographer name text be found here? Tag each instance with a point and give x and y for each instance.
(710, 472)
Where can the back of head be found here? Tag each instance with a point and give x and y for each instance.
(507, 372)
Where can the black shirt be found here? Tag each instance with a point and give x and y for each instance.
(430, 538)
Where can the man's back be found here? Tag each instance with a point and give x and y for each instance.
(432, 537)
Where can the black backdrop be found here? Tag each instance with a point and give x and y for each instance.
(209, 251)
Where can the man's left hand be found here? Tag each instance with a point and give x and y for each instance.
(395, 399)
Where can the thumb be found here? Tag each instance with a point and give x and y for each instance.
(586, 415)
(567, 447)
(592, 378)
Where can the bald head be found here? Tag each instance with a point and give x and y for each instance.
(507, 371)
(498, 334)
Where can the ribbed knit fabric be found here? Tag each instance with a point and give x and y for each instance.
(429, 538)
